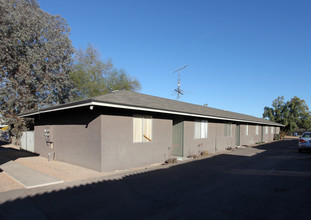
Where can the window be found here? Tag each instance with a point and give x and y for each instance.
(257, 129)
(246, 130)
(306, 135)
(142, 128)
(271, 130)
(266, 129)
(277, 130)
(228, 130)
(200, 129)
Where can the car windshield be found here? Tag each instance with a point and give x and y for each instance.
(306, 135)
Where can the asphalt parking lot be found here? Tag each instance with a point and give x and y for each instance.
(270, 181)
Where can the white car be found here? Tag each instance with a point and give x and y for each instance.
(304, 142)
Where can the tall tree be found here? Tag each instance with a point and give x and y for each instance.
(298, 114)
(94, 77)
(118, 80)
(277, 112)
(88, 72)
(294, 114)
(35, 58)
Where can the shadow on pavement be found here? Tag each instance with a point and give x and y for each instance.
(4, 143)
(269, 185)
(9, 153)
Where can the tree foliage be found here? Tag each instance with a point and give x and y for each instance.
(119, 80)
(94, 77)
(294, 114)
(35, 58)
(87, 72)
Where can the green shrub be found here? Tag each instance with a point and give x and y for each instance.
(277, 137)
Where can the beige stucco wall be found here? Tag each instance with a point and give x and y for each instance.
(268, 137)
(215, 142)
(222, 141)
(82, 144)
(194, 146)
(41, 146)
(76, 139)
(118, 150)
(252, 137)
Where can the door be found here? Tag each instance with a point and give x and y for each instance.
(238, 135)
(178, 137)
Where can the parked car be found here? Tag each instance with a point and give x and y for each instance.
(304, 142)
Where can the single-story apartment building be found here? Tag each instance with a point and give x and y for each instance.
(125, 129)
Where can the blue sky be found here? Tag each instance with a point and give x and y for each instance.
(241, 54)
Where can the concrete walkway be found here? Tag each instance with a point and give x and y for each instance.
(26, 176)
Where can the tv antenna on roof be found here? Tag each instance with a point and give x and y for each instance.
(178, 90)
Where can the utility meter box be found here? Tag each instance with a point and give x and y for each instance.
(48, 134)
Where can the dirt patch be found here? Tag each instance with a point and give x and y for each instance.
(7, 183)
